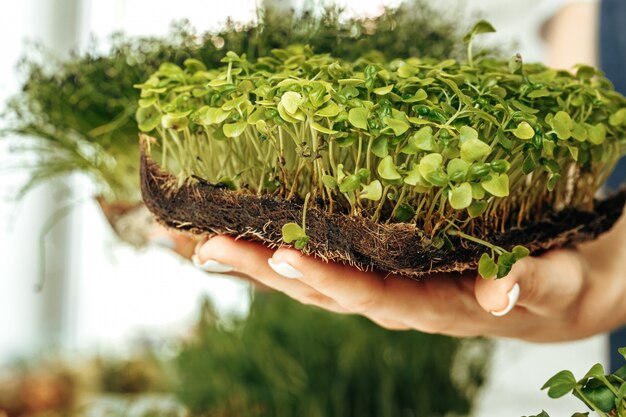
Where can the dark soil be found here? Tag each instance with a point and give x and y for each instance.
(203, 208)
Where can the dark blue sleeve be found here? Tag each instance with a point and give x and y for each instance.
(613, 63)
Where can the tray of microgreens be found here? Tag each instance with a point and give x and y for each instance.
(411, 165)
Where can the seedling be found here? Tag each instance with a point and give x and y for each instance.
(460, 154)
(605, 394)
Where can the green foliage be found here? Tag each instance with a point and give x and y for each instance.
(77, 113)
(603, 393)
(455, 146)
(286, 359)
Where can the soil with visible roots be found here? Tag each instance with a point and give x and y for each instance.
(199, 207)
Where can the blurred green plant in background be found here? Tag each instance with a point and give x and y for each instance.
(77, 113)
(292, 360)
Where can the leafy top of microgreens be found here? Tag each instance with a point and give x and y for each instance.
(449, 146)
(78, 112)
(603, 393)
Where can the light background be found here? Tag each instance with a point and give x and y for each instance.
(106, 293)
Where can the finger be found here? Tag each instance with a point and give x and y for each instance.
(547, 285)
(432, 305)
(180, 243)
(223, 254)
(390, 324)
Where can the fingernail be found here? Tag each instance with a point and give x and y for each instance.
(284, 269)
(211, 265)
(513, 296)
(164, 242)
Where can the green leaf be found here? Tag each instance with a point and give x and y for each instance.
(524, 131)
(214, 115)
(147, 102)
(329, 181)
(330, 110)
(398, 126)
(174, 121)
(622, 351)
(500, 165)
(286, 116)
(562, 124)
(618, 118)
(481, 27)
(292, 231)
(457, 168)
(323, 129)
(579, 132)
(474, 149)
(597, 134)
(423, 140)
(467, 133)
(437, 178)
(233, 130)
(350, 183)
(256, 116)
(596, 371)
(515, 63)
(520, 252)
(477, 208)
(387, 169)
(418, 96)
(553, 181)
(406, 71)
(539, 93)
(430, 163)
(301, 242)
(478, 192)
(505, 262)
(379, 147)
(358, 117)
(381, 91)
(416, 179)
(148, 118)
(601, 396)
(404, 213)
(497, 186)
(560, 384)
(585, 72)
(372, 191)
(460, 197)
(291, 101)
(487, 268)
(351, 81)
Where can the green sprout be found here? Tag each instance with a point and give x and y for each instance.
(461, 149)
(605, 394)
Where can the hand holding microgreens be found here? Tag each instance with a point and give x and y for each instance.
(460, 150)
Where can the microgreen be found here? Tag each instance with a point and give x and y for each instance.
(603, 393)
(459, 149)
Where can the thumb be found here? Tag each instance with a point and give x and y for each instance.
(546, 285)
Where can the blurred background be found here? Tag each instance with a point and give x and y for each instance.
(70, 288)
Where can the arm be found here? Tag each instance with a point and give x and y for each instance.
(571, 35)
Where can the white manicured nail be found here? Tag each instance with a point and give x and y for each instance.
(164, 242)
(211, 265)
(284, 269)
(513, 296)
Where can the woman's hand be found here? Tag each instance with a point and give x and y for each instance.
(561, 295)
